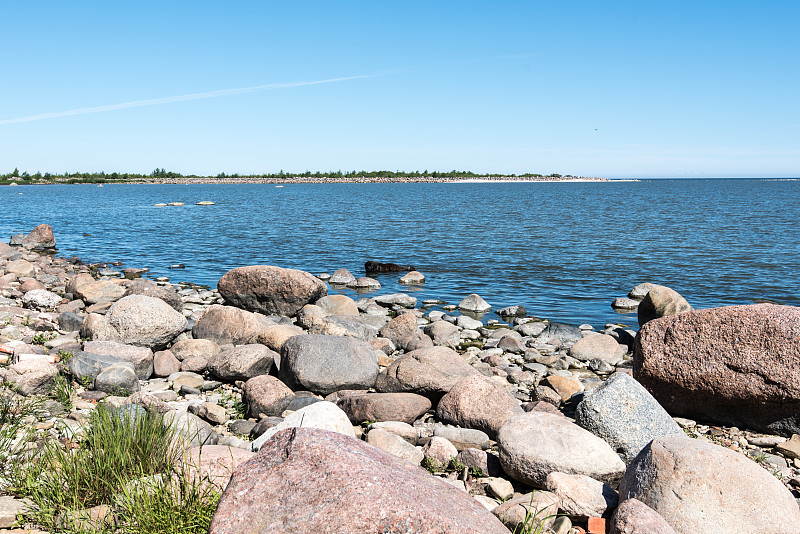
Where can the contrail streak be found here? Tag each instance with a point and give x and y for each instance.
(179, 98)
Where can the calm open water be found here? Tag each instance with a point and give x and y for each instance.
(562, 250)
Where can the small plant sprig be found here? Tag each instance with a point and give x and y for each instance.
(40, 338)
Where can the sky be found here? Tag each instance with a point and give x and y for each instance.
(611, 89)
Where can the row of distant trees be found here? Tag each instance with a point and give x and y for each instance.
(101, 177)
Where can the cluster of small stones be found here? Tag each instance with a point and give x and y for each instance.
(543, 367)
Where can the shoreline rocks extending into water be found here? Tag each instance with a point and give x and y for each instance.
(334, 406)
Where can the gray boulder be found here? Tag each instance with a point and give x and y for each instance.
(559, 331)
(535, 444)
(30, 377)
(117, 379)
(405, 407)
(324, 364)
(40, 299)
(474, 303)
(660, 302)
(226, 324)
(136, 320)
(431, 372)
(625, 415)
(701, 487)
(140, 286)
(189, 430)
(140, 357)
(270, 290)
(341, 277)
(396, 299)
(242, 362)
(85, 366)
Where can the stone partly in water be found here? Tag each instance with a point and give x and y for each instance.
(287, 488)
(40, 238)
(270, 290)
(341, 277)
(624, 414)
(413, 277)
(701, 487)
(474, 303)
(660, 302)
(736, 365)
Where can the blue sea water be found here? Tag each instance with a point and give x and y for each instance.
(562, 250)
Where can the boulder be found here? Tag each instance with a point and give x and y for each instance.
(189, 430)
(395, 445)
(322, 415)
(439, 451)
(266, 395)
(165, 363)
(635, 517)
(735, 365)
(149, 288)
(443, 333)
(99, 292)
(582, 497)
(402, 330)
(270, 290)
(40, 238)
(463, 438)
(405, 407)
(477, 402)
(118, 379)
(512, 311)
(527, 513)
(242, 362)
(344, 325)
(29, 285)
(560, 331)
(85, 366)
(136, 320)
(40, 299)
(226, 324)
(324, 364)
(70, 322)
(274, 493)
(474, 303)
(660, 302)
(337, 305)
(21, 268)
(625, 415)
(341, 277)
(597, 347)
(412, 277)
(430, 372)
(701, 487)
(31, 377)
(396, 299)
(276, 335)
(641, 290)
(535, 444)
(77, 281)
(140, 357)
(195, 348)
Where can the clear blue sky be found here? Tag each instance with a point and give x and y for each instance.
(614, 89)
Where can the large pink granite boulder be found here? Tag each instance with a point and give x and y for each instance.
(270, 290)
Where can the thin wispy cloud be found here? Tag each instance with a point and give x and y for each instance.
(180, 98)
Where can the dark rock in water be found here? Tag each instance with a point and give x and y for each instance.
(267, 289)
(378, 267)
(701, 487)
(660, 302)
(324, 364)
(512, 311)
(177, 266)
(560, 331)
(289, 487)
(736, 365)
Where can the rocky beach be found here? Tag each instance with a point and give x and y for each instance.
(310, 412)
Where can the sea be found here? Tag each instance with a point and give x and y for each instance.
(563, 250)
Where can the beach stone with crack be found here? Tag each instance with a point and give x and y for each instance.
(140, 357)
(581, 496)
(40, 299)
(270, 290)
(597, 347)
(322, 415)
(443, 333)
(99, 292)
(395, 445)
(141, 286)
(559, 331)
(276, 335)
(479, 403)
(431, 372)
(404, 407)
(625, 415)
(272, 493)
(660, 302)
(227, 324)
(30, 377)
(535, 444)
(735, 365)
(242, 362)
(266, 395)
(136, 320)
(635, 517)
(337, 305)
(474, 303)
(324, 364)
(701, 487)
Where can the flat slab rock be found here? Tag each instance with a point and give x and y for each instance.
(309, 480)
